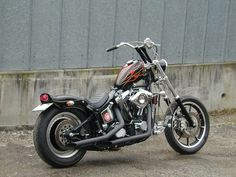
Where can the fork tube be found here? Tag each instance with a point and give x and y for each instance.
(176, 96)
(165, 77)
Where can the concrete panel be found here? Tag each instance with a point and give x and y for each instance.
(46, 28)
(127, 29)
(231, 35)
(216, 28)
(195, 30)
(101, 32)
(173, 30)
(60, 34)
(151, 20)
(213, 84)
(74, 34)
(14, 34)
(7, 96)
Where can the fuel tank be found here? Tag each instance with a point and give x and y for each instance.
(131, 72)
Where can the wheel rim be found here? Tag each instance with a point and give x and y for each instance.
(59, 124)
(186, 136)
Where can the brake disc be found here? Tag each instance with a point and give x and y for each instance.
(63, 127)
(184, 129)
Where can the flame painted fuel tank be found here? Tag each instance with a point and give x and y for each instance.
(131, 72)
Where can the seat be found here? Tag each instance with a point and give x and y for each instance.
(94, 103)
(98, 103)
(64, 98)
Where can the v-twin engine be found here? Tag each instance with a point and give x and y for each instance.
(133, 105)
(141, 98)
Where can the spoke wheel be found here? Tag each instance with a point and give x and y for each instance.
(186, 135)
(180, 135)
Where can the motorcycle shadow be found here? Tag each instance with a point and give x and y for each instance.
(106, 159)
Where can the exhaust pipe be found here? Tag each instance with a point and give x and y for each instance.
(104, 137)
(137, 137)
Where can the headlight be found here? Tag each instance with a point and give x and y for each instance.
(163, 63)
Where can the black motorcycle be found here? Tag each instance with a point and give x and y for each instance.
(68, 126)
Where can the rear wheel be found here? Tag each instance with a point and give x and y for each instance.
(180, 135)
(49, 140)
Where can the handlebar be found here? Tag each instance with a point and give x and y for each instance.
(112, 48)
(146, 43)
(140, 47)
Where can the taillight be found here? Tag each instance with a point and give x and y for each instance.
(44, 97)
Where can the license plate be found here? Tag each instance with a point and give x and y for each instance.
(42, 107)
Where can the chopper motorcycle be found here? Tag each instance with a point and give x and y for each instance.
(68, 126)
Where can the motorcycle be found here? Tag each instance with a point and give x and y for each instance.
(68, 126)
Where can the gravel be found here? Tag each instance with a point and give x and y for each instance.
(153, 157)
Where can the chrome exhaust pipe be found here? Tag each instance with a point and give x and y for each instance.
(137, 137)
(105, 137)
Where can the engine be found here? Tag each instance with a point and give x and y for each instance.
(133, 106)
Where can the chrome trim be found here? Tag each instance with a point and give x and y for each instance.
(135, 98)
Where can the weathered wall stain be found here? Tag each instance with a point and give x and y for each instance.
(19, 92)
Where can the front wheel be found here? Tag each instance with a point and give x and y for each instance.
(49, 140)
(180, 135)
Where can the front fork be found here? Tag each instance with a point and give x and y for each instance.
(176, 96)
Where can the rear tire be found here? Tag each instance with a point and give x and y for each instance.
(180, 136)
(48, 140)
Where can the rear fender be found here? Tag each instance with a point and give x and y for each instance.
(62, 102)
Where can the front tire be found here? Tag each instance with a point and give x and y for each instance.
(49, 142)
(182, 137)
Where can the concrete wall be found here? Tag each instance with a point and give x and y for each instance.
(214, 84)
(43, 42)
(58, 34)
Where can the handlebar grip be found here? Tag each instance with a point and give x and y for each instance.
(113, 48)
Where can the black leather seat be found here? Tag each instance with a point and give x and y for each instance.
(98, 103)
(64, 98)
(94, 103)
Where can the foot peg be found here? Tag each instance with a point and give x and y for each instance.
(158, 128)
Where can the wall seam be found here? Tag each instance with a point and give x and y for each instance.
(225, 45)
(114, 33)
(205, 33)
(185, 26)
(60, 36)
(1, 34)
(89, 26)
(162, 29)
(140, 16)
(30, 35)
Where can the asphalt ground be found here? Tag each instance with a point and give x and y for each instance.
(153, 157)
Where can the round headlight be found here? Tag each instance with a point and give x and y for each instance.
(163, 63)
